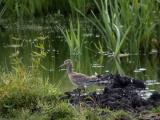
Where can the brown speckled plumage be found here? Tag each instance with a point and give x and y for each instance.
(77, 79)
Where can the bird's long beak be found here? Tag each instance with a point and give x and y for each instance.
(61, 65)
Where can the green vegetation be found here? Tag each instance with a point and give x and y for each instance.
(21, 91)
(117, 28)
(125, 26)
(2, 10)
(24, 96)
(73, 38)
(156, 110)
(30, 8)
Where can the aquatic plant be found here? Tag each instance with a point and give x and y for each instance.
(110, 28)
(25, 8)
(78, 4)
(2, 11)
(117, 22)
(141, 18)
(73, 38)
(30, 8)
(38, 53)
(99, 47)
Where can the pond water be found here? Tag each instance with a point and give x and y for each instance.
(20, 38)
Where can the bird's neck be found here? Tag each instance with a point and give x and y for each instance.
(69, 68)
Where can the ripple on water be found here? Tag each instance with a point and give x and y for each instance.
(97, 66)
(152, 82)
(145, 94)
(139, 70)
(148, 92)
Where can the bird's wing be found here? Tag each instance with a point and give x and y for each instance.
(80, 79)
(80, 76)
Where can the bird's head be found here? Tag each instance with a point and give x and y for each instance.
(66, 63)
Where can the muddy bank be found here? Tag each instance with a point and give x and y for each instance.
(120, 92)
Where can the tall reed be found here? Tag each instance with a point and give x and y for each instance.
(140, 15)
(127, 26)
(109, 27)
(25, 7)
(73, 38)
(2, 10)
(78, 4)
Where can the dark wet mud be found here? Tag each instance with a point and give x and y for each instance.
(119, 93)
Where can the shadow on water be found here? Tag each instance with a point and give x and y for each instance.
(21, 42)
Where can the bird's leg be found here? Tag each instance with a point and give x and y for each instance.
(83, 89)
(78, 90)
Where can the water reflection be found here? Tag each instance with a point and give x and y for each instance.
(23, 41)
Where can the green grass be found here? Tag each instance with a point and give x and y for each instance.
(77, 4)
(156, 110)
(2, 10)
(23, 91)
(73, 38)
(126, 26)
(23, 96)
(109, 27)
(33, 8)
